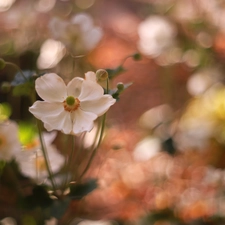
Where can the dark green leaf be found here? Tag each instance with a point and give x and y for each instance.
(78, 191)
(114, 72)
(58, 208)
(39, 198)
(168, 146)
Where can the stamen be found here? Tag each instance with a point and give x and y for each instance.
(71, 104)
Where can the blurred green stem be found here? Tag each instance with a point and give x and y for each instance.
(45, 156)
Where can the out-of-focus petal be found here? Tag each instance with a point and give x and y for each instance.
(84, 21)
(90, 91)
(98, 106)
(95, 34)
(51, 88)
(9, 140)
(83, 121)
(74, 87)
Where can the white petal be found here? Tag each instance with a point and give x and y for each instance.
(49, 137)
(90, 91)
(98, 106)
(83, 121)
(56, 159)
(51, 88)
(74, 87)
(90, 76)
(42, 110)
(60, 122)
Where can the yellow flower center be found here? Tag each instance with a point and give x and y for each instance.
(71, 104)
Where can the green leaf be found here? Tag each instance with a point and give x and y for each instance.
(24, 89)
(5, 111)
(78, 191)
(116, 92)
(27, 132)
(59, 207)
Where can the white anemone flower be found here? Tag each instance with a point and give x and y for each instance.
(70, 108)
(9, 140)
(32, 162)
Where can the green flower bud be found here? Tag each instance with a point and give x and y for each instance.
(5, 87)
(136, 56)
(120, 86)
(101, 75)
(2, 63)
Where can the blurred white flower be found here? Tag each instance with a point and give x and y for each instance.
(79, 34)
(9, 140)
(8, 221)
(51, 53)
(90, 222)
(31, 160)
(6, 4)
(157, 35)
(70, 108)
(155, 116)
(52, 221)
(202, 80)
(147, 148)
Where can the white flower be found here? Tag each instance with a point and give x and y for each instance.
(146, 149)
(79, 34)
(70, 108)
(156, 35)
(31, 160)
(9, 140)
(51, 53)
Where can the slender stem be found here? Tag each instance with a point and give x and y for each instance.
(45, 157)
(71, 156)
(95, 149)
(21, 72)
(80, 148)
(99, 140)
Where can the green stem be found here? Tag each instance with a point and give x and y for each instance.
(45, 156)
(99, 140)
(80, 148)
(15, 66)
(71, 156)
(95, 149)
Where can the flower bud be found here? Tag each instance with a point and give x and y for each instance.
(120, 86)
(2, 63)
(101, 75)
(136, 56)
(5, 87)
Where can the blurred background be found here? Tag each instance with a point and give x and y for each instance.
(162, 159)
